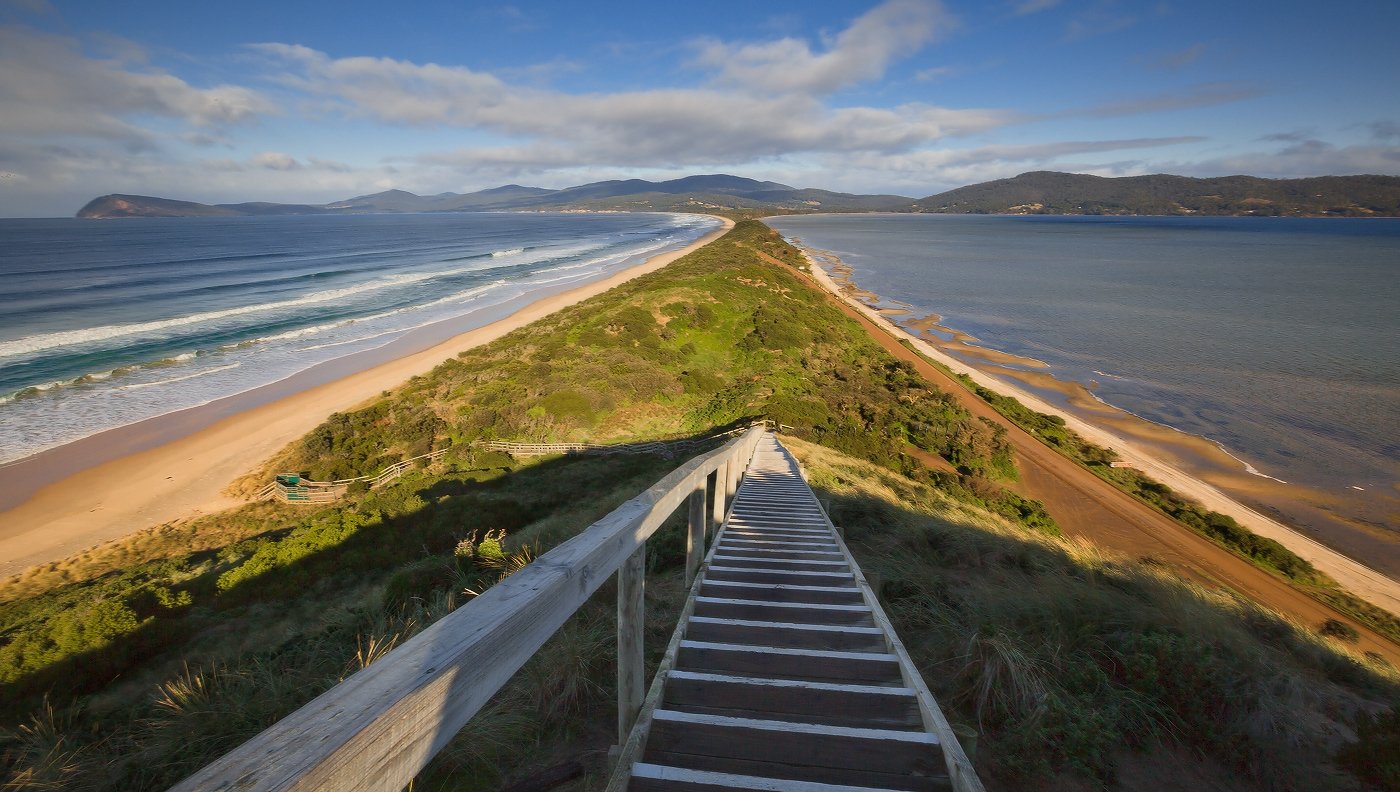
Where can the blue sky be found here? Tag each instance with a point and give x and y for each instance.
(317, 101)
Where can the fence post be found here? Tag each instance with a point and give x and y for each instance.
(631, 618)
(695, 536)
(731, 484)
(721, 477)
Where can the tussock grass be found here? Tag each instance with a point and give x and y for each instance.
(1070, 661)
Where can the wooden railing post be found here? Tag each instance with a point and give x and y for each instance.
(720, 486)
(631, 618)
(731, 485)
(695, 535)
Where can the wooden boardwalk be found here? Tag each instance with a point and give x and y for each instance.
(784, 673)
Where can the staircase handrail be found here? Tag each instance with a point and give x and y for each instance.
(381, 726)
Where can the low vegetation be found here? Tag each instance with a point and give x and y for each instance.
(1074, 664)
(1050, 192)
(1221, 529)
(133, 665)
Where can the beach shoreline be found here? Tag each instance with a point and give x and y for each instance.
(1331, 517)
(1108, 427)
(178, 466)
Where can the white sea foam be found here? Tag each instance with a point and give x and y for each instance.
(206, 372)
(38, 343)
(507, 252)
(122, 396)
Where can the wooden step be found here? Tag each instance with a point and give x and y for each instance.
(781, 663)
(771, 540)
(661, 778)
(724, 559)
(834, 704)
(782, 592)
(751, 575)
(878, 758)
(759, 610)
(775, 535)
(780, 553)
(791, 635)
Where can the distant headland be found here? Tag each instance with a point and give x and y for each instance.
(1038, 192)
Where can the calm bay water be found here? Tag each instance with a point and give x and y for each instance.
(103, 324)
(1277, 338)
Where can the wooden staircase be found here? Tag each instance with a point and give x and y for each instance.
(784, 673)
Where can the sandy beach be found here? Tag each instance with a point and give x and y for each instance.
(179, 466)
(1107, 429)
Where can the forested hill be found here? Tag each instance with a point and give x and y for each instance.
(690, 194)
(1040, 192)
(1049, 192)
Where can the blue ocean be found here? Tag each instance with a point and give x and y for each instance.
(1279, 339)
(105, 323)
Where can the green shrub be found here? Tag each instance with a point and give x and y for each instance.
(419, 580)
(1375, 756)
(1340, 630)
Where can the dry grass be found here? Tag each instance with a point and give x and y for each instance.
(1070, 661)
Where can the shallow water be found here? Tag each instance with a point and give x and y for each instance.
(1277, 338)
(103, 324)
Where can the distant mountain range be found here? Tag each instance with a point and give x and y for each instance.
(1049, 192)
(1040, 192)
(690, 194)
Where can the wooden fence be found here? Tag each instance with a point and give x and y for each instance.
(379, 728)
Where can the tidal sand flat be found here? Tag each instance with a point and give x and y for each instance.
(175, 464)
(1260, 355)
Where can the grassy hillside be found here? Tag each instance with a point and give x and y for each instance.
(1077, 665)
(132, 665)
(1049, 192)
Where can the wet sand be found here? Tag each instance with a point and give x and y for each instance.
(107, 486)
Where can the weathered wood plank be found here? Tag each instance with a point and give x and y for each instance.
(377, 729)
(631, 621)
(695, 535)
(759, 610)
(778, 563)
(787, 742)
(782, 592)
(721, 479)
(782, 663)
(868, 779)
(798, 701)
(792, 635)
(778, 575)
(661, 778)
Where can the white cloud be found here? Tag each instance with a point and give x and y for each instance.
(1203, 95)
(925, 172)
(276, 160)
(860, 53)
(1301, 159)
(1384, 130)
(49, 89)
(657, 128)
(1034, 6)
(1174, 61)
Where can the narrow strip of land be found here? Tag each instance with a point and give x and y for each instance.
(1088, 507)
(185, 477)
